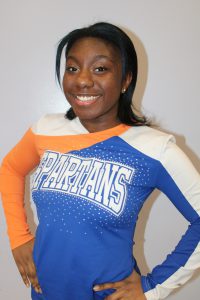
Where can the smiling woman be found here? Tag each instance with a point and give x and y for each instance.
(93, 82)
(96, 166)
(113, 58)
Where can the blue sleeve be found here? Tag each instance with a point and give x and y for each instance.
(178, 179)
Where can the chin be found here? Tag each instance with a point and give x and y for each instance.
(86, 115)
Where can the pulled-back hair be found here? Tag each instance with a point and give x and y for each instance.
(118, 38)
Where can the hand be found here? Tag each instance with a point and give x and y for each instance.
(128, 289)
(24, 261)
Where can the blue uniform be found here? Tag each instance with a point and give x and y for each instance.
(88, 200)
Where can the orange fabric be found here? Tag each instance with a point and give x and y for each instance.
(23, 158)
(15, 166)
(66, 143)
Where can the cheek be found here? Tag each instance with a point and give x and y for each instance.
(66, 83)
(112, 89)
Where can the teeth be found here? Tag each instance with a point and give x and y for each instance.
(86, 98)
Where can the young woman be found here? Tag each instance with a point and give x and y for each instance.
(96, 166)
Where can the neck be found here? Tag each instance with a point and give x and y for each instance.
(93, 126)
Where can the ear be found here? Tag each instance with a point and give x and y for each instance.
(126, 82)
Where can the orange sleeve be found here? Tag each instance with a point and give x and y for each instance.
(15, 166)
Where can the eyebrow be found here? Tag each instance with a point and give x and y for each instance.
(97, 57)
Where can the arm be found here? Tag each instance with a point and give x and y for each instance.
(15, 166)
(178, 179)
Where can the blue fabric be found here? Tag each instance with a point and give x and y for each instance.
(88, 203)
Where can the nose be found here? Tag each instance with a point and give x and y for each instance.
(85, 79)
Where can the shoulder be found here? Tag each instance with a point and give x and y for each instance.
(150, 141)
(57, 125)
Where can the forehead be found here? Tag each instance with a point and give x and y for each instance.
(88, 46)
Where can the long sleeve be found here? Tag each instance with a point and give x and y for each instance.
(178, 179)
(15, 166)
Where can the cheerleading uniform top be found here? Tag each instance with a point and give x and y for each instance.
(88, 189)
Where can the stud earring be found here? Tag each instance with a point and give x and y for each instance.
(123, 91)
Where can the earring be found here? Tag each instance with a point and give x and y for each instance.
(123, 91)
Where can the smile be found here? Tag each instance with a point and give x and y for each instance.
(87, 98)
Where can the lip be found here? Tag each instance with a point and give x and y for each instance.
(86, 99)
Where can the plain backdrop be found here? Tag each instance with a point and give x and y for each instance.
(167, 38)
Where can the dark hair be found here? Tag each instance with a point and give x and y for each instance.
(119, 39)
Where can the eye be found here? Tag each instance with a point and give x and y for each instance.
(71, 69)
(100, 69)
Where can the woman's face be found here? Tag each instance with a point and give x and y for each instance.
(92, 82)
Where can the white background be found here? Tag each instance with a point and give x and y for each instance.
(167, 38)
